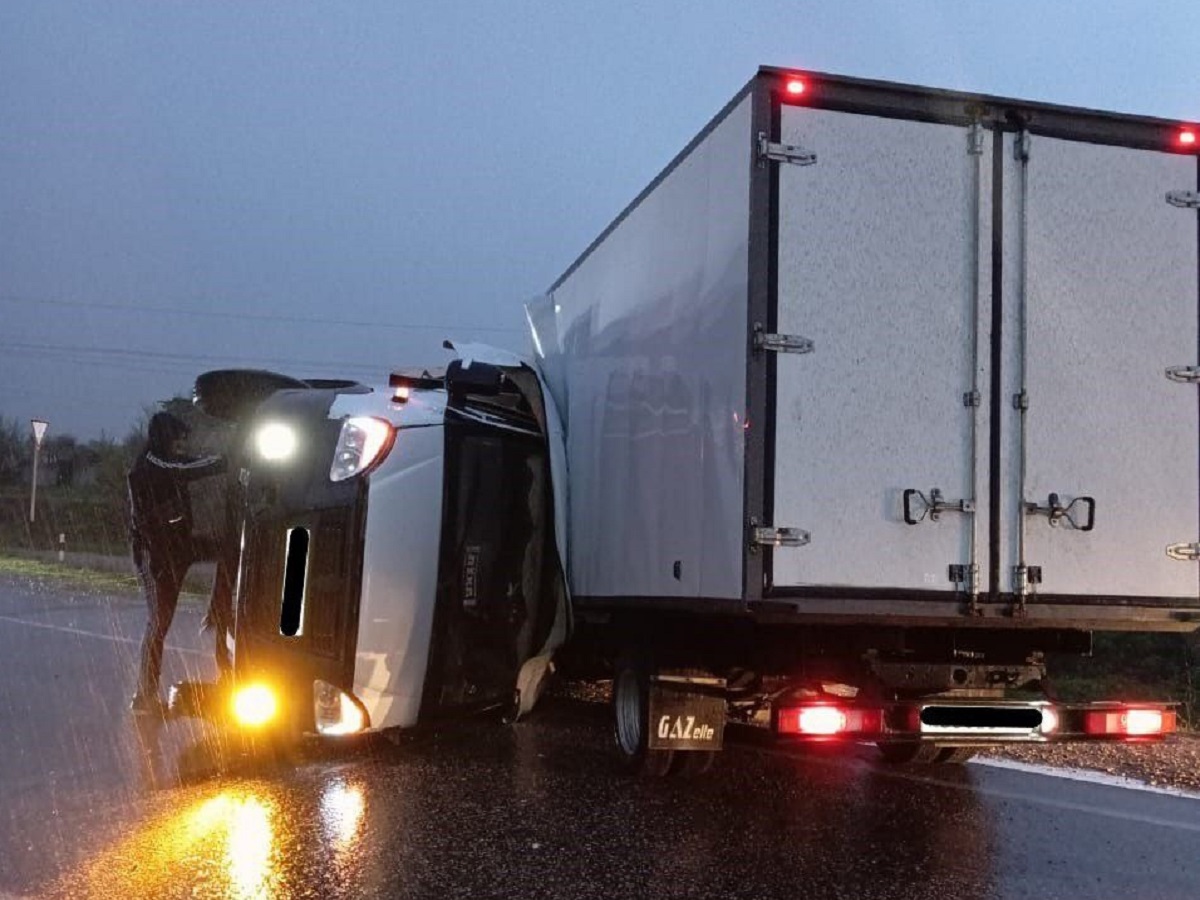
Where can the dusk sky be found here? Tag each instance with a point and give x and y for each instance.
(333, 188)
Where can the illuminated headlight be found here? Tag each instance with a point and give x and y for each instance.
(363, 443)
(275, 441)
(336, 712)
(254, 705)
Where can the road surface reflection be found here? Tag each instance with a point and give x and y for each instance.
(539, 811)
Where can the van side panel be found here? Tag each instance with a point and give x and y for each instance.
(651, 355)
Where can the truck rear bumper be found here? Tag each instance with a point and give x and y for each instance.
(967, 723)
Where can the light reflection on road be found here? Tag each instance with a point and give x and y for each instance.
(342, 809)
(230, 836)
(249, 847)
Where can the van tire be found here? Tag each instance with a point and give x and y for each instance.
(631, 720)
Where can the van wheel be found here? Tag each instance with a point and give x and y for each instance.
(631, 721)
(909, 752)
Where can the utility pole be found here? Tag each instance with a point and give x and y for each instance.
(39, 432)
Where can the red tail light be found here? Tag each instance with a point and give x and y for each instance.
(822, 720)
(794, 87)
(1187, 138)
(1131, 722)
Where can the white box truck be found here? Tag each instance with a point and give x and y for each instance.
(893, 387)
(874, 398)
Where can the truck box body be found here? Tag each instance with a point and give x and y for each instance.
(993, 290)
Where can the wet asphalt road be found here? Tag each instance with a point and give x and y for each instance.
(91, 807)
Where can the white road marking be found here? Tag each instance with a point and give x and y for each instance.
(115, 638)
(1088, 775)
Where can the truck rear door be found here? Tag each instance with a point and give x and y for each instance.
(992, 317)
(878, 267)
(1105, 271)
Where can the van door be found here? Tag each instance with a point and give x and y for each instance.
(1102, 272)
(497, 597)
(879, 266)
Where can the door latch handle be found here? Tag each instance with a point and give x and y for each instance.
(932, 506)
(1079, 514)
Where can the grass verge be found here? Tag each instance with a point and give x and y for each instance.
(195, 590)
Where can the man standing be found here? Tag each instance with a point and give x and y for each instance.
(161, 539)
(219, 617)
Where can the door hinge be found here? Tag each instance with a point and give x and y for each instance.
(1184, 374)
(932, 506)
(1024, 578)
(1184, 199)
(767, 536)
(967, 575)
(1184, 552)
(784, 153)
(1022, 146)
(780, 343)
(975, 139)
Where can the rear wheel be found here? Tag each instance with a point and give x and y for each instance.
(631, 721)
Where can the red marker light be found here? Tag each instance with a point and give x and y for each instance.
(795, 87)
(1187, 138)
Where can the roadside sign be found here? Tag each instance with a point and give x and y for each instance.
(39, 432)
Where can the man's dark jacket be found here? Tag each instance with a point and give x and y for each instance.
(160, 509)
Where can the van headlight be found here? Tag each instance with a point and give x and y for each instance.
(335, 711)
(275, 441)
(364, 442)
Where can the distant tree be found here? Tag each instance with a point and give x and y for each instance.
(60, 453)
(113, 461)
(15, 451)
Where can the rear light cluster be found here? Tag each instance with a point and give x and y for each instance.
(1187, 138)
(1130, 722)
(826, 720)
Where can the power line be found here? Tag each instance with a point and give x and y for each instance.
(259, 317)
(117, 356)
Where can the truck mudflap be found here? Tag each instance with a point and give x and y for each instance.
(972, 722)
(687, 712)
